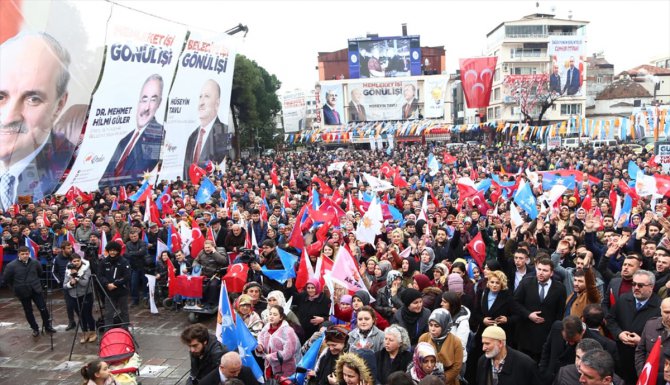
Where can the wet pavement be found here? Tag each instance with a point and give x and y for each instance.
(28, 360)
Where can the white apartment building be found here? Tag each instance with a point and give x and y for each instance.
(522, 48)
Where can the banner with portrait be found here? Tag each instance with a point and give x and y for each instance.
(383, 100)
(331, 104)
(294, 111)
(51, 49)
(566, 73)
(125, 125)
(434, 95)
(197, 129)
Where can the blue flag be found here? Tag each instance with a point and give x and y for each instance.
(228, 331)
(159, 202)
(205, 191)
(484, 185)
(139, 192)
(633, 169)
(308, 361)
(246, 343)
(525, 199)
(288, 261)
(626, 208)
(551, 180)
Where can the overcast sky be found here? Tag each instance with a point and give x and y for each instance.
(285, 36)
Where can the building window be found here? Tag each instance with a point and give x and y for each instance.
(496, 77)
(524, 71)
(496, 94)
(489, 113)
(513, 31)
(599, 79)
(498, 113)
(571, 109)
(525, 52)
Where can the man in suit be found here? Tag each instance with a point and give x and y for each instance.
(410, 110)
(569, 374)
(518, 270)
(542, 301)
(559, 348)
(593, 317)
(230, 367)
(555, 80)
(330, 114)
(572, 79)
(138, 152)
(627, 318)
(356, 109)
(655, 327)
(33, 91)
(211, 140)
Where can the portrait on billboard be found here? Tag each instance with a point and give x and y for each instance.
(384, 57)
(33, 92)
(139, 151)
(410, 107)
(210, 140)
(356, 108)
(331, 115)
(567, 65)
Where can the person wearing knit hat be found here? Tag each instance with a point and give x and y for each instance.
(253, 289)
(448, 346)
(430, 293)
(455, 283)
(517, 367)
(412, 316)
(362, 298)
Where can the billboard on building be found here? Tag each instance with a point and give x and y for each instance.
(566, 73)
(383, 57)
(434, 94)
(294, 111)
(331, 98)
(383, 100)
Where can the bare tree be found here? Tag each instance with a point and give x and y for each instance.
(531, 93)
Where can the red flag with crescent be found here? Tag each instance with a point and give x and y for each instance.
(386, 170)
(236, 277)
(477, 78)
(477, 249)
(649, 371)
(195, 173)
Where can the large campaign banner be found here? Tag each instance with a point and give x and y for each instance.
(434, 95)
(331, 104)
(566, 75)
(48, 50)
(197, 129)
(383, 100)
(125, 126)
(294, 111)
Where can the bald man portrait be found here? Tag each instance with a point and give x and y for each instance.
(139, 151)
(230, 367)
(210, 140)
(33, 91)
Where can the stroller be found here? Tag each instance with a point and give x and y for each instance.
(117, 348)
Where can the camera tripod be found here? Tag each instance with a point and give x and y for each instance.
(101, 307)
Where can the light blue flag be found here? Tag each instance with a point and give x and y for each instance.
(139, 192)
(525, 199)
(626, 208)
(633, 169)
(308, 361)
(551, 180)
(288, 261)
(246, 344)
(484, 185)
(433, 164)
(228, 334)
(205, 191)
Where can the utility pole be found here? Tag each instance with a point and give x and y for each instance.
(236, 140)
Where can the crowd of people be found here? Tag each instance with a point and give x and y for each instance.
(576, 293)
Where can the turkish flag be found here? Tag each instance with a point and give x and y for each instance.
(448, 158)
(189, 286)
(195, 173)
(175, 239)
(649, 371)
(273, 175)
(198, 242)
(337, 198)
(236, 277)
(172, 284)
(477, 78)
(479, 201)
(662, 184)
(386, 170)
(46, 221)
(398, 181)
(123, 195)
(323, 186)
(477, 249)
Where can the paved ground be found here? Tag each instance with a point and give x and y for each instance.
(28, 360)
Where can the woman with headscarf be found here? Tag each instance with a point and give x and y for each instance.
(276, 297)
(440, 274)
(396, 354)
(369, 270)
(366, 336)
(412, 316)
(342, 314)
(379, 280)
(409, 267)
(424, 363)
(460, 316)
(388, 298)
(429, 293)
(447, 345)
(312, 306)
(427, 262)
(243, 308)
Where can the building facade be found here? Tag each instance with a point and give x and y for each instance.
(600, 74)
(522, 47)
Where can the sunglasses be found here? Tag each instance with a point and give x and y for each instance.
(640, 285)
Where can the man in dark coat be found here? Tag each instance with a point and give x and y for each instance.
(655, 327)
(230, 367)
(541, 302)
(512, 366)
(23, 275)
(114, 276)
(559, 349)
(627, 318)
(205, 350)
(569, 374)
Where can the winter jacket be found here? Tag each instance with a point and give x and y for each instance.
(306, 310)
(460, 326)
(385, 303)
(24, 278)
(450, 354)
(210, 262)
(208, 361)
(117, 271)
(81, 288)
(281, 349)
(136, 254)
(374, 341)
(416, 329)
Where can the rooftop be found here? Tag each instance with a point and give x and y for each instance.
(623, 88)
